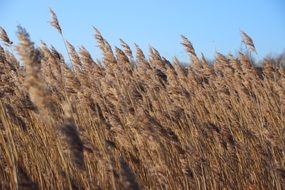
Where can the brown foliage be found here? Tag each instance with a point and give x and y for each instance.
(147, 124)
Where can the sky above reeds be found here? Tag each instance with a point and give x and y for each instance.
(210, 25)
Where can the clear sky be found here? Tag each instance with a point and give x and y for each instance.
(210, 25)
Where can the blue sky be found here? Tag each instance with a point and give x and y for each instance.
(210, 25)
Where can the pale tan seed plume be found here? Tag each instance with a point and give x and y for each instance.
(127, 48)
(11, 60)
(109, 58)
(4, 36)
(31, 58)
(191, 51)
(188, 46)
(207, 70)
(27, 51)
(154, 54)
(179, 69)
(139, 54)
(86, 59)
(51, 68)
(54, 21)
(121, 56)
(142, 63)
(156, 59)
(99, 38)
(74, 56)
(248, 41)
(221, 62)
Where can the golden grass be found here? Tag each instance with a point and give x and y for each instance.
(138, 123)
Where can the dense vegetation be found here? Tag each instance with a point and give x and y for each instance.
(131, 122)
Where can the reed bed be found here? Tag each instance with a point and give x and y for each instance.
(130, 121)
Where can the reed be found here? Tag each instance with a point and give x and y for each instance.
(130, 121)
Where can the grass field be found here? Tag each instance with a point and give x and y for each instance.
(134, 122)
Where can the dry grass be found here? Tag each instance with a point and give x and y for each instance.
(138, 123)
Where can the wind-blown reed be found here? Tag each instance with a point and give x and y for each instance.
(132, 122)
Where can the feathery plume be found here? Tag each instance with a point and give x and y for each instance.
(248, 41)
(179, 69)
(121, 56)
(4, 36)
(86, 58)
(154, 54)
(32, 60)
(127, 48)
(188, 46)
(99, 38)
(74, 56)
(139, 54)
(54, 21)
(109, 58)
